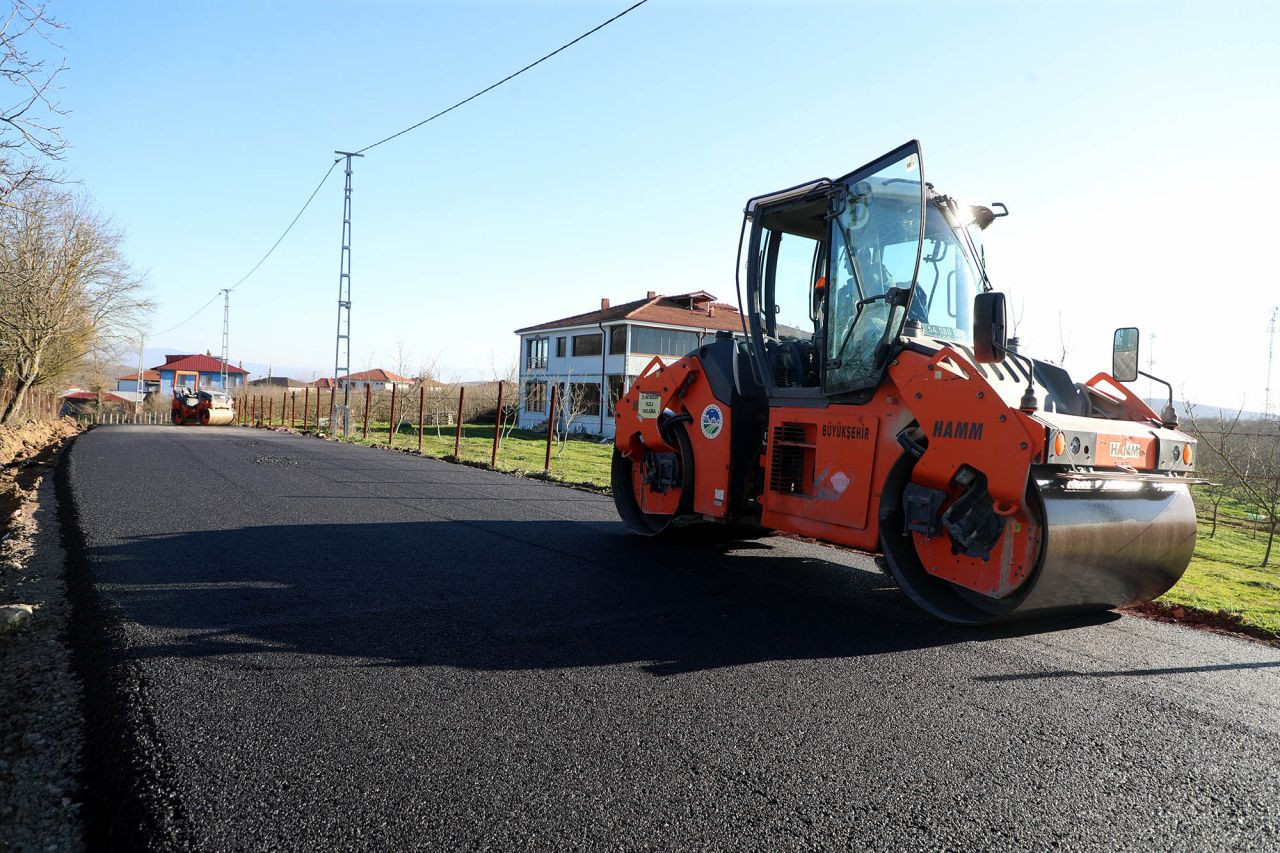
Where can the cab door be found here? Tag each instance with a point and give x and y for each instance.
(876, 236)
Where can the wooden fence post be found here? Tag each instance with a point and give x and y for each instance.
(391, 426)
(306, 405)
(422, 399)
(457, 434)
(368, 391)
(551, 426)
(497, 429)
(333, 398)
(293, 410)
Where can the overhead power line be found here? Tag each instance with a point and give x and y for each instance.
(289, 228)
(385, 139)
(263, 259)
(509, 77)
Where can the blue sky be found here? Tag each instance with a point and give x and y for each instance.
(1134, 142)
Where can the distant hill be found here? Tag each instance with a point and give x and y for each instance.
(1205, 412)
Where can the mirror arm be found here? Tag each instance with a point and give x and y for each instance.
(1168, 417)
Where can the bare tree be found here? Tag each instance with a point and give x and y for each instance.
(1251, 460)
(29, 138)
(66, 291)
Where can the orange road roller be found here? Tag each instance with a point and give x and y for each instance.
(207, 408)
(873, 399)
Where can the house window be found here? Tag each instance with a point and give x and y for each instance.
(651, 341)
(618, 340)
(535, 397)
(537, 359)
(560, 347)
(616, 390)
(587, 345)
(585, 398)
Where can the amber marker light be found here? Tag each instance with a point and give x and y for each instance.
(1059, 444)
(1186, 454)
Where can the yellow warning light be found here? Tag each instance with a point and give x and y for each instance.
(1059, 444)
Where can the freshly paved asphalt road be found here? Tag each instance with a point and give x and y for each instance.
(314, 646)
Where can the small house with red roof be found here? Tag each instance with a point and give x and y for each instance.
(129, 382)
(594, 357)
(78, 400)
(376, 379)
(202, 372)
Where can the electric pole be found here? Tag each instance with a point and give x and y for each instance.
(1271, 355)
(142, 385)
(226, 334)
(342, 345)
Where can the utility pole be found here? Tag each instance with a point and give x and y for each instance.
(142, 386)
(342, 345)
(1271, 355)
(226, 333)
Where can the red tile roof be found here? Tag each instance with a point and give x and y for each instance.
(147, 376)
(378, 375)
(89, 395)
(323, 382)
(197, 363)
(697, 310)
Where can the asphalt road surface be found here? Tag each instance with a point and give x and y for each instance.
(293, 644)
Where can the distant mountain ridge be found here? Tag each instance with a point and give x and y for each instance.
(1205, 412)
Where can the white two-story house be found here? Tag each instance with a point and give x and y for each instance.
(594, 357)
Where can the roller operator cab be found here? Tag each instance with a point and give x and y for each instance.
(873, 400)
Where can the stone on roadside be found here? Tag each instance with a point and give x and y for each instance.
(14, 616)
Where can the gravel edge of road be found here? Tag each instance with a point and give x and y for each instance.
(40, 693)
(127, 804)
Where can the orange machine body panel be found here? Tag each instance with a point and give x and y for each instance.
(825, 467)
(682, 389)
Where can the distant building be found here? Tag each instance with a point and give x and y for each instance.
(376, 379)
(129, 382)
(203, 372)
(594, 357)
(324, 383)
(76, 400)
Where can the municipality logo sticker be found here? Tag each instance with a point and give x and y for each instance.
(712, 421)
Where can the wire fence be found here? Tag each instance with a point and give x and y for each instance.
(476, 424)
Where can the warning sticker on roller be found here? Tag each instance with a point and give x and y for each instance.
(649, 406)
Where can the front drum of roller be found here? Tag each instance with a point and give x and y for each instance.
(1103, 544)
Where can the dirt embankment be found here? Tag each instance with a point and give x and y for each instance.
(22, 449)
(40, 725)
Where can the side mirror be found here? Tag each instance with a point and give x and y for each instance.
(1124, 354)
(989, 327)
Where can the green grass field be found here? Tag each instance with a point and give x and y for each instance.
(578, 460)
(1224, 575)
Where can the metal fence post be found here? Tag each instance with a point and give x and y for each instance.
(271, 411)
(368, 391)
(391, 426)
(422, 399)
(333, 395)
(457, 434)
(497, 429)
(293, 410)
(551, 426)
(306, 404)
